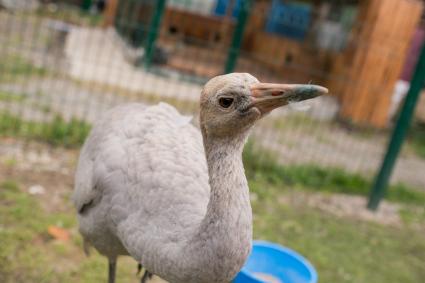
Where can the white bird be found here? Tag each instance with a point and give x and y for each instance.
(152, 186)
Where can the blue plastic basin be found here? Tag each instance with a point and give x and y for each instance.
(282, 264)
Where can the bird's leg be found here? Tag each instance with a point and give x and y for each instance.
(147, 275)
(112, 269)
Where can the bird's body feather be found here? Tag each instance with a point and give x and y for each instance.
(133, 182)
(150, 185)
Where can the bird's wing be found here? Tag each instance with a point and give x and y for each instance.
(91, 168)
(85, 190)
(149, 167)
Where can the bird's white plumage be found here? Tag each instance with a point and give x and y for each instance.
(150, 185)
(133, 171)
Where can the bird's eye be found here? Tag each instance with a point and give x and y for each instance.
(225, 102)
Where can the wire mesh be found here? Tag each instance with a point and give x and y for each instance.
(62, 68)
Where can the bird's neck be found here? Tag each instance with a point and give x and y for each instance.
(225, 234)
(229, 198)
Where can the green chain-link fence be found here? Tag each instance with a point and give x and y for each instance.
(63, 64)
(60, 62)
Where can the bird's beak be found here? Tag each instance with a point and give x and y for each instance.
(266, 97)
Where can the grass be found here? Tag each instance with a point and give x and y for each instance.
(10, 162)
(15, 66)
(416, 139)
(7, 96)
(411, 215)
(342, 250)
(299, 120)
(29, 254)
(262, 169)
(57, 132)
(261, 166)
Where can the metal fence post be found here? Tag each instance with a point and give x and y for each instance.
(86, 4)
(153, 32)
(399, 134)
(237, 36)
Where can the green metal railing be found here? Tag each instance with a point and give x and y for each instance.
(235, 47)
(153, 32)
(86, 4)
(399, 134)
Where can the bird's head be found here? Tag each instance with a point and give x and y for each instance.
(232, 103)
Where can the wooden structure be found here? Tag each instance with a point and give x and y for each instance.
(364, 75)
(198, 28)
(110, 13)
(290, 60)
(293, 61)
(197, 43)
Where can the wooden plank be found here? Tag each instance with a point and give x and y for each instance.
(353, 58)
(378, 59)
(198, 28)
(403, 30)
(110, 12)
(354, 99)
(292, 60)
(388, 73)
